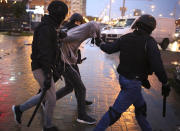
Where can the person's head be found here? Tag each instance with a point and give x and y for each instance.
(57, 10)
(145, 22)
(76, 18)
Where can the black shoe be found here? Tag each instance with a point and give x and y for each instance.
(88, 102)
(51, 129)
(85, 119)
(17, 114)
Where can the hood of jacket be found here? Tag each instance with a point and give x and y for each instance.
(49, 20)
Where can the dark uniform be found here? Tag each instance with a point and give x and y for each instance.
(139, 56)
(44, 52)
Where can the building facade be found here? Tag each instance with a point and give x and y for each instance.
(78, 6)
(39, 7)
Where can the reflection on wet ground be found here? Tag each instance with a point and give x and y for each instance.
(100, 78)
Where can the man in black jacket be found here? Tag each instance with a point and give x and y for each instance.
(44, 49)
(138, 54)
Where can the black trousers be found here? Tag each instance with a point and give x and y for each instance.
(73, 81)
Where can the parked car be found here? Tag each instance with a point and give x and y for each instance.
(163, 34)
(26, 27)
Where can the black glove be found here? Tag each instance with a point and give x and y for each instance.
(92, 40)
(62, 34)
(166, 89)
(146, 84)
(47, 81)
(96, 41)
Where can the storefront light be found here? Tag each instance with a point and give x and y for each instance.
(2, 18)
(39, 10)
(33, 16)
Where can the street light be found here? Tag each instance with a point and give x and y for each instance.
(160, 15)
(152, 8)
(171, 14)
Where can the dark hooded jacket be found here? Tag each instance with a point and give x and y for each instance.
(44, 45)
(138, 53)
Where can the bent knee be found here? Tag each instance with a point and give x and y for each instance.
(113, 115)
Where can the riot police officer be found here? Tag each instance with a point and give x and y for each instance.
(43, 56)
(139, 55)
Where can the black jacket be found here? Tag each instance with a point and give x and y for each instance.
(139, 53)
(44, 45)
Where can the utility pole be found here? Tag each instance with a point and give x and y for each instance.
(176, 4)
(110, 10)
(175, 11)
(123, 9)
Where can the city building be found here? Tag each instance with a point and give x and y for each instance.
(37, 8)
(78, 6)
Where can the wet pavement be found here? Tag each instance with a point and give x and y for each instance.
(101, 80)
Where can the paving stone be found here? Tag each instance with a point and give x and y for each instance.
(100, 79)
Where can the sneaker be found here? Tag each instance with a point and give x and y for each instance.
(86, 120)
(17, 114)
(88, 102)
(51, 129)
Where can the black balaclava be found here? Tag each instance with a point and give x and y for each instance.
(57, 11)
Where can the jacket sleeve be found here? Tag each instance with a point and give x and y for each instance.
(46, 51)
(155, 60)
(111, 47)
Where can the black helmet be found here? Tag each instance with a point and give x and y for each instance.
(58, 9)
(147, 22)
(76, 17)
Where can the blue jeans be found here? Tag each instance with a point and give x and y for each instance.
(130, 94)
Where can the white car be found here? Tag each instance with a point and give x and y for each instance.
(163, 34)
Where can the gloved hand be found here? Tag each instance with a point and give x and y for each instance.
(166, 89)
(92, 40)
(62, 34)
(96, 41)
(47, 81)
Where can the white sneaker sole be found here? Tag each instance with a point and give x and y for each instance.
(86, 122)
(13, 109)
